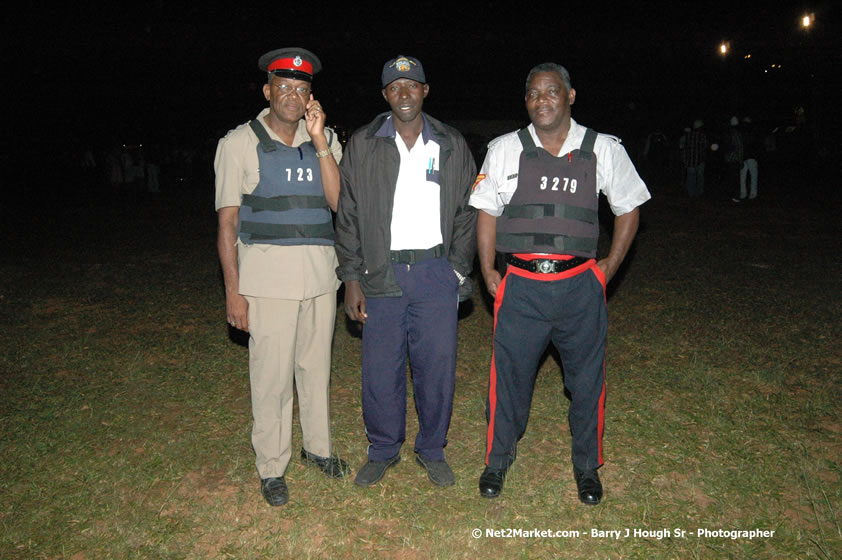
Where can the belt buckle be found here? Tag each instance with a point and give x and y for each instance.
(544, 266)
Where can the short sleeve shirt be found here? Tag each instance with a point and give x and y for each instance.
(616, 176)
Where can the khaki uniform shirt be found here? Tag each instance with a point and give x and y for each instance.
(271, 271)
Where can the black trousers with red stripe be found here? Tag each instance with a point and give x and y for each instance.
(530, 311)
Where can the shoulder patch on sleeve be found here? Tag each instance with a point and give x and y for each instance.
(480, 177)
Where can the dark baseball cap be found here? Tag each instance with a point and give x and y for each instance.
(402, 67)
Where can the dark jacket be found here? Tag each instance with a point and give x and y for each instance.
(369, 171)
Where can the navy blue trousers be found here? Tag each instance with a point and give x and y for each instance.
(530, 311)
(421, 322)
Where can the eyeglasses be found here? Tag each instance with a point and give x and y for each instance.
(286, 89)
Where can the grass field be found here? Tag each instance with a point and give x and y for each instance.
(125, 411)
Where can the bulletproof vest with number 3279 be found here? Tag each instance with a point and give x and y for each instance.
(554, 209)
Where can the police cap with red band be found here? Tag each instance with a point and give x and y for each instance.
(293, 62)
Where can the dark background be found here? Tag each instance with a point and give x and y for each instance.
(168, 74)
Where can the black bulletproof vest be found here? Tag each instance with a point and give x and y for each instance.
(554, 209)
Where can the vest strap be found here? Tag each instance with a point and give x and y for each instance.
(535, 211)
(260, 231)
(283, 203)
(531, 151)
(266, 143)
(529, 148)
(562, 243)
(586, 149)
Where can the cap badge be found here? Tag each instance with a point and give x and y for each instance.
(297, 61)
(403, 65)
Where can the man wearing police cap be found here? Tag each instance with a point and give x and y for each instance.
(405, 241)
(277, 180)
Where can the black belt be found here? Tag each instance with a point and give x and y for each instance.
(415, 256)
(545, 266)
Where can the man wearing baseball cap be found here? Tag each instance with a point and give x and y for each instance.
(277, 180)
(405, 238)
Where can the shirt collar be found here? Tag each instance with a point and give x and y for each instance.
(301, 134)
(387, 129)
(573, 141)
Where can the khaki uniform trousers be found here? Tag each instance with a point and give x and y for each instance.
(289, 339)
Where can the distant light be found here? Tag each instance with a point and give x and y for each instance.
(807, 20)
(724, 47)
(747, 56)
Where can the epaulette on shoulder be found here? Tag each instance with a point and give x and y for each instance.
(611, 137)
(501, 138)
(240, 128)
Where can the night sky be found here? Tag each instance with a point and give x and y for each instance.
(166, 71)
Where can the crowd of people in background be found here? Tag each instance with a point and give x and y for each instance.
(723, 160)
(120, 172)
(718, 158)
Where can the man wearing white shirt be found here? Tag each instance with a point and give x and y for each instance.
(406, 239)
(537, 193)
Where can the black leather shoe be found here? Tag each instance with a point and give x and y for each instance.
(275, 490)
(333, 466)
(491, 482)
(588, 486)
(371, 473)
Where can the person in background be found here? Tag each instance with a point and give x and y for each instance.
(733, 157)
(695, 156)
(751, 152)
